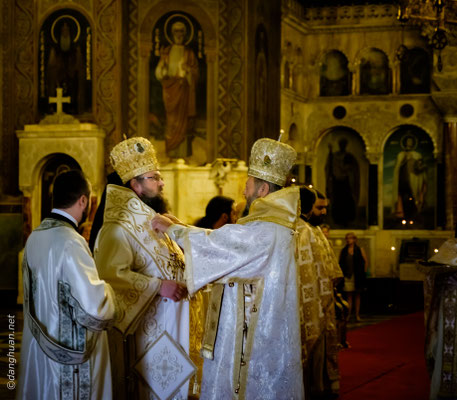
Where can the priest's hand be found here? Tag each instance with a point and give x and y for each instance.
(160, 223)
(173, 219)
(173, 290)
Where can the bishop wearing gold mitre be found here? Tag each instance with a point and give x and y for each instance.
(252, 339)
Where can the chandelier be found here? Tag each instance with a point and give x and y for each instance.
(435, 17)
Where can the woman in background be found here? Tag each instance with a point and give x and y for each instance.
(354, 264)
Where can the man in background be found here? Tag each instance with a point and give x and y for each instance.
(318, 271)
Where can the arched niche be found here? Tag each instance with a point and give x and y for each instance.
(409, 180)
(287, 65)
(293, 133)
(375, 73)
(415, 71)
(340, 171)
(203, 44)
(177, 82)
(335, 78)
(297, 73)
(65, 61)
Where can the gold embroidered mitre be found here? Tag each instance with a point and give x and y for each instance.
(271, 161)
(133, 157)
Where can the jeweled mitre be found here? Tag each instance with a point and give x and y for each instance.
(133, 157)
(271, 161)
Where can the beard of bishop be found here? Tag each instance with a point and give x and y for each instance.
(315, 220)
(157, 203)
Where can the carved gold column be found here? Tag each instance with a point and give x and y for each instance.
(446, 101)
(450, 167)
(396, 81)
(211, 100)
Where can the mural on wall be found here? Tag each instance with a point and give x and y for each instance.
(261, 82)
(409, 183)
(344, 178)
(374, 73)
(177, 109)
(65, 62)
(335, 79)
(415, 71)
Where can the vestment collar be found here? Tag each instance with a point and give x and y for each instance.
(281, 207)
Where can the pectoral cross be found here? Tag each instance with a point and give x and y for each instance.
(59, 100)
(165, 368)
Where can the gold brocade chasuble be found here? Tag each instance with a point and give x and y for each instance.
(440, 310)
(317, 269)
(134, 259)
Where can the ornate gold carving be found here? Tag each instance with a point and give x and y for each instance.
(88, 54)
(230, 88)
(133, 68)
(107, 70)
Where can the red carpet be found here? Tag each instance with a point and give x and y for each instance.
(386, 361)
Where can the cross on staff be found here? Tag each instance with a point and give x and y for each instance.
(59, 100)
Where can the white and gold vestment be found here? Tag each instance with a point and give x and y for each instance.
(256, 352)
(134, 260)
(318, 268)
(71, 307)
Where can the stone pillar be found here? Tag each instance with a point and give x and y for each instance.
(375, 203)
(450, 168)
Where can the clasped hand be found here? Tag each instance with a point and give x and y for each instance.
(160, 223)
(173, 290)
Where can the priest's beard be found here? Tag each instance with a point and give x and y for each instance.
(249, 201)
(316, 220)
(84, 216)
(157, 203)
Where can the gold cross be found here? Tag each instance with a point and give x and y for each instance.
(59, 100)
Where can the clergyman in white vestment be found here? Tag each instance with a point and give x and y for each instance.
(146, 270)
(252, 343)
(66, 306)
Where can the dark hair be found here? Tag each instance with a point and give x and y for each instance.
(217, 206)
(319, 195)
(273, 187)
(112, 179)
(69, 186)
(307, 199)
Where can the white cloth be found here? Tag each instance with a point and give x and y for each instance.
(134, 260)
(261, 255)
(62, 271)
(64, 214)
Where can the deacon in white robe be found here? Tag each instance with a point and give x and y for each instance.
(252, 345)
(64, 352)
